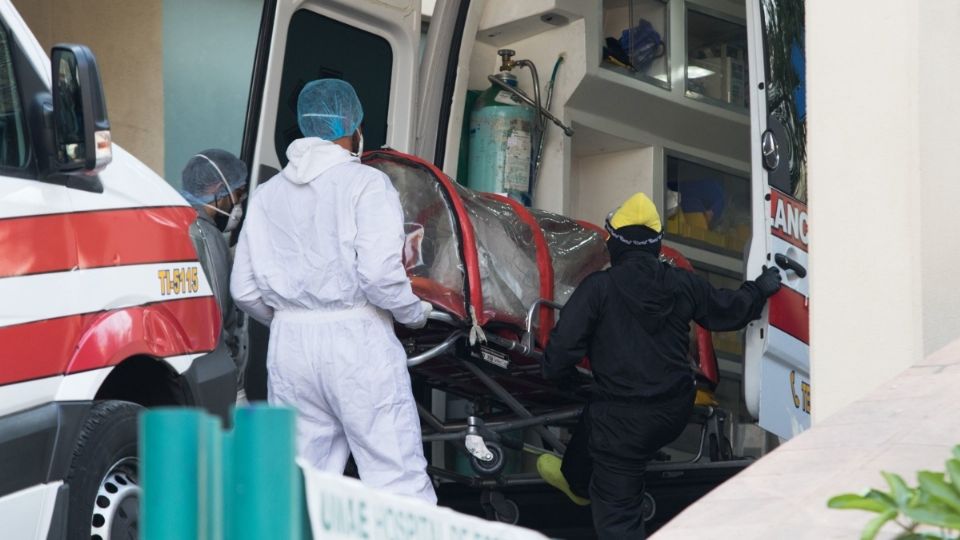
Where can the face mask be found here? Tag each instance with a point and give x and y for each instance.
(227, 221)
(359, 151)
(233, 217)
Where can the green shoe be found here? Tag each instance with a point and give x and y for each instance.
(548, 465)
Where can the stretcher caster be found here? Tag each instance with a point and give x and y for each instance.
(648, 507)
(491, 467)
(486, 458)
(499, 507)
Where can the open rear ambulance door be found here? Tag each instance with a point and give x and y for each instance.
(372, 44)
(777, 363)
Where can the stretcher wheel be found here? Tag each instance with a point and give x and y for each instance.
(648, 507)
(493, 467)
(507, 511)
(498, 507)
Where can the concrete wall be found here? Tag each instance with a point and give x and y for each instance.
(127, 38)
(883, 191)
(207, 63)
(936, 85)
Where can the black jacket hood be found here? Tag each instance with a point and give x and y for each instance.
(642, 283)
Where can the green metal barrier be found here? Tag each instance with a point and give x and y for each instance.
(202, 482)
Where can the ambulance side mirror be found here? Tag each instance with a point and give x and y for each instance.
(81, 129)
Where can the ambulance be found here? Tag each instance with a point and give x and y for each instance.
(652, 95)
(572, 105)
(105, 307)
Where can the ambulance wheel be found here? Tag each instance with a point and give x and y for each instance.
(489, 468)
(103, 477)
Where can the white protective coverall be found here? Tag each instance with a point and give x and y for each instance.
(319, 260)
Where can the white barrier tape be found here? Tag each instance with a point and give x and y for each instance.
(343, 508)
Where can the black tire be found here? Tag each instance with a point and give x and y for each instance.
(493, 467)
(507, 512)
(648, 508)
(107, 444)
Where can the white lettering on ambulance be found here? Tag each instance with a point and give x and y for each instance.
(780, 221)
(791, 220)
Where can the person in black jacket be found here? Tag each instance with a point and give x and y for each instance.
(633, 322)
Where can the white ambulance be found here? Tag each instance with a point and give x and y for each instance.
(643, 95)
(722, 93)
(105, 307)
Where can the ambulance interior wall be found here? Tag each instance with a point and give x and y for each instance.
(127, 39)
(600, 182)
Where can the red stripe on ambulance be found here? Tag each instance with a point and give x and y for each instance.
(790, 313)
(91, 341)
(38, 244)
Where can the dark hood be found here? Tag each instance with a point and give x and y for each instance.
(642, 283)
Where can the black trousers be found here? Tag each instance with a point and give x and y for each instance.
(607, 457)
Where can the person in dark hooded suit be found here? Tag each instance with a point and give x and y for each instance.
(633, 321)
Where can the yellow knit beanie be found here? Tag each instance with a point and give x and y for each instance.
(637, 210)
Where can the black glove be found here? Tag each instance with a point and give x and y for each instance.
(769, 281)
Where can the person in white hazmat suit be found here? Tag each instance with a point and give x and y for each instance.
(319, 259)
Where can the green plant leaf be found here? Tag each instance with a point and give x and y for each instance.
(919, 536)
(874, 525)
(921, 499)
(956, 451)
(872, 501)
(934, 484)
(932, 515)
(899, 489)
(953, 470)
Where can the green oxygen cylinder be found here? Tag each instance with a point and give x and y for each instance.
(501, 135)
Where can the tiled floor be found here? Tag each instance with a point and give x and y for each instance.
(907, 425)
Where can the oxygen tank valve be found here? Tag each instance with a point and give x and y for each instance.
(506, 59)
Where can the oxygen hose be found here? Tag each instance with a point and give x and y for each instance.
(540, 126)
(543, 132)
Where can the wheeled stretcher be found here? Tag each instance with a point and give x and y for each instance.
(496, 272)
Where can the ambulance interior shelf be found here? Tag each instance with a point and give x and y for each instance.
(635, 39)
(716, 59)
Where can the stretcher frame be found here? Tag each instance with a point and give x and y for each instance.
(454, 339)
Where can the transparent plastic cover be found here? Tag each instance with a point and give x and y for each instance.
(575, 250)
(509, 276)
(505, 244)
(431, 254)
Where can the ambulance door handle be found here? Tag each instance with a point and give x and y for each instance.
(789, 264)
